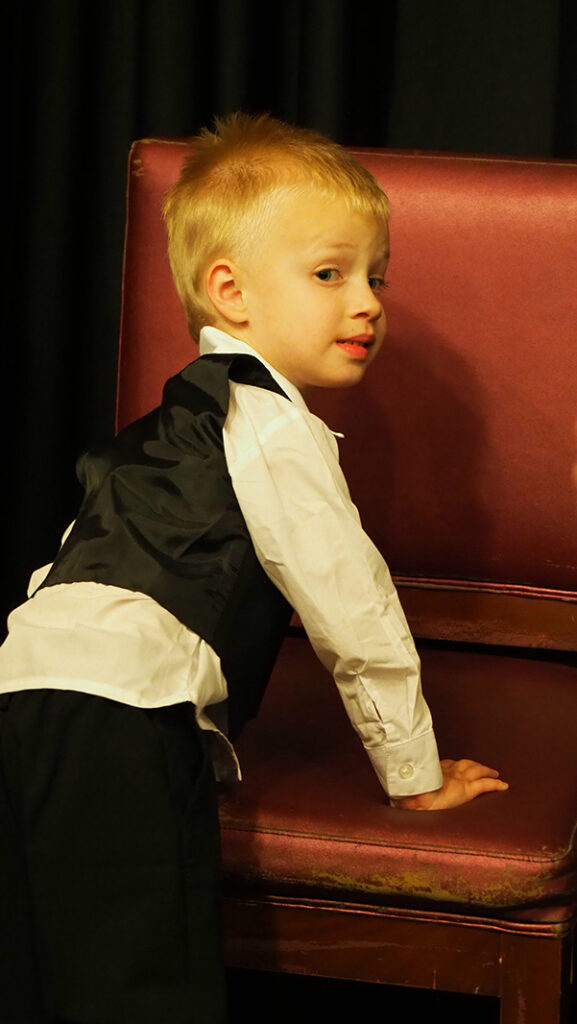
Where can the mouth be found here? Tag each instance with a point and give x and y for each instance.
(357, 347)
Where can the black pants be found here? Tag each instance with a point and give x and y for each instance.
(109, 859)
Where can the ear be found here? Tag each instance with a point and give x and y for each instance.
(223, 283)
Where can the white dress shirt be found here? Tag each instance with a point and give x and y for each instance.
(283, 463)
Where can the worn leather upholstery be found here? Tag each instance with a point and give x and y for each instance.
(459, 448)
(312, 818)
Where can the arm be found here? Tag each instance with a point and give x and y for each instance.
(308, 536)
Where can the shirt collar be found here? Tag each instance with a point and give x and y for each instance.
(212, 339)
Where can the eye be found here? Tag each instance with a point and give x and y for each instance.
(327, 274)
(377, 283)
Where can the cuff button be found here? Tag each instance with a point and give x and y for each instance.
(406, 771)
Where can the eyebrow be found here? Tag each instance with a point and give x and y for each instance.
(349, 245)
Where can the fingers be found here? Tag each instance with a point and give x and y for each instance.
(468, 770)
(464, 780)
(486, 786)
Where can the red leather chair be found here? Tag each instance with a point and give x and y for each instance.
(458, 448)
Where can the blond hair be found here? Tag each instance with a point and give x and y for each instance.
(229, 186)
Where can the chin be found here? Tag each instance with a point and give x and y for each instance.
(342, 381)
(353, 375)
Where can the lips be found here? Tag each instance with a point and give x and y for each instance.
(357, 347)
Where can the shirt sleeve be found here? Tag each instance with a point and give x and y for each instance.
(308, 537)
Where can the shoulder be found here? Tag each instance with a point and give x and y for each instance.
(259, 409)
(265, 425)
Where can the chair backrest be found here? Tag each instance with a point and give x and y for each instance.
(459, 444)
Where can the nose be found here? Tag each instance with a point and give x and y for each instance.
(367, 303)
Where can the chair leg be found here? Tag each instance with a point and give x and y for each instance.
(535, 980)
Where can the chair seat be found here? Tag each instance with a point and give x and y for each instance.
(310, 819)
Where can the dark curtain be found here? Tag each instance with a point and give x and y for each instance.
(89, 77)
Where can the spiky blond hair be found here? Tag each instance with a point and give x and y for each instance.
(230, 185)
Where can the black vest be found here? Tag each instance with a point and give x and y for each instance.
(160, 517)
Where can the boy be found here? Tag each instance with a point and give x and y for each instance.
(203, 524)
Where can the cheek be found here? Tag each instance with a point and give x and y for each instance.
(380, 335)
(381, 328)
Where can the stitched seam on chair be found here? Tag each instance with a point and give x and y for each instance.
(548, 929)
(461, 158)
(422, 155)
(484, 587)
(401, 847)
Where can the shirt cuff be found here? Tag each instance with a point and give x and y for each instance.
(406, 769)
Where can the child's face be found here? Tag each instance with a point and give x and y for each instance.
(313, 291)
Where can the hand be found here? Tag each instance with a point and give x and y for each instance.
(462, 781)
